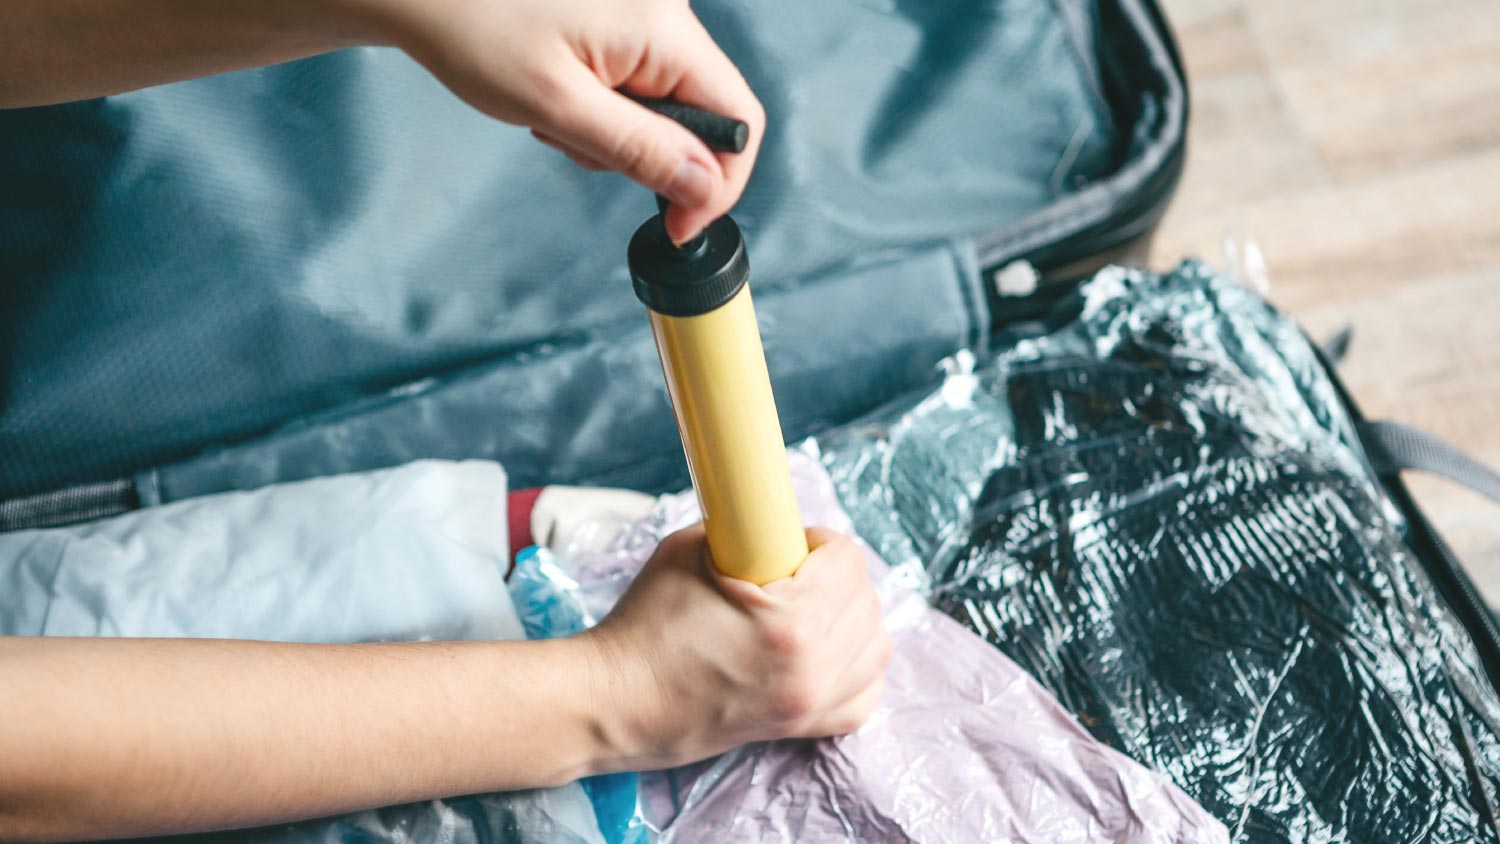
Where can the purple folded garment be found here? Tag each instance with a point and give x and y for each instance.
(964, 747)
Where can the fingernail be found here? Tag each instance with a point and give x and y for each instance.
(691, 185)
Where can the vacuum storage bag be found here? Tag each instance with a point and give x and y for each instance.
(1149, 501)
(408, 554)
(1152, 500)
(964, 746)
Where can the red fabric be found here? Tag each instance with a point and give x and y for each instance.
(519, 505)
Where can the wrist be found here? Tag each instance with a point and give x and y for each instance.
(392, 23)
(374, 23)
(621, 709)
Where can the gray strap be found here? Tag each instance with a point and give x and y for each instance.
(1336, 348)
(1393, 448)
(66, 506)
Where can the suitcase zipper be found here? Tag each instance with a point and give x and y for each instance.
(1132, 216)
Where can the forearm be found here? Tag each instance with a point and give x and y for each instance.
(61, 50)
(117, 737)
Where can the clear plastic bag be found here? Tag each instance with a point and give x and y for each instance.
(1154, 502)
(964, 746)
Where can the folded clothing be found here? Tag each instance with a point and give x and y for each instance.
(407, 554)
(1152, 499)
(964, 746)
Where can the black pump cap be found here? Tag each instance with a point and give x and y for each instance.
(706, 272)
(692, 279)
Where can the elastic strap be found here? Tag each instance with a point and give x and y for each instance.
(1394, 448)
(66, 506)
(1336, 348)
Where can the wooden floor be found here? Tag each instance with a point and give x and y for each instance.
(1357, 143)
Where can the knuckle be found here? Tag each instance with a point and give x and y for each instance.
(836, 542)
(546, 87)
(678, 541)
(794, 701)
(846, 551)
(785, 641)
(684, 546)
(820, 536)
(546, 90)
(640, 154)
(757, 115)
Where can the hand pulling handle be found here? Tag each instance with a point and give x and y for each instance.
(698, 298)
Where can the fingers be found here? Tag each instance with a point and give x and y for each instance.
(821, 592)
(834, 572)
(870, 654)
(854, 629)
(812, 646)
(818, 536)
(602, 129)
(849, 716)
(854, 647)
(712, 81)
(687, 548)
(860, 633)
(577, 157)
(599, 124)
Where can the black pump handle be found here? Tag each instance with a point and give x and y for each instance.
(720, 133)
(717, 132)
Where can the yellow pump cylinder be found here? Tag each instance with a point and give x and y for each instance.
(710, 347)
(726, 414)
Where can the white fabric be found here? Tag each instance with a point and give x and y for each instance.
(413, 553)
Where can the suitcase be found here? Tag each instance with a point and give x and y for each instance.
(333, 265)
(373, 270)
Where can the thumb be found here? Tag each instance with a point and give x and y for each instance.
(623, 135)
